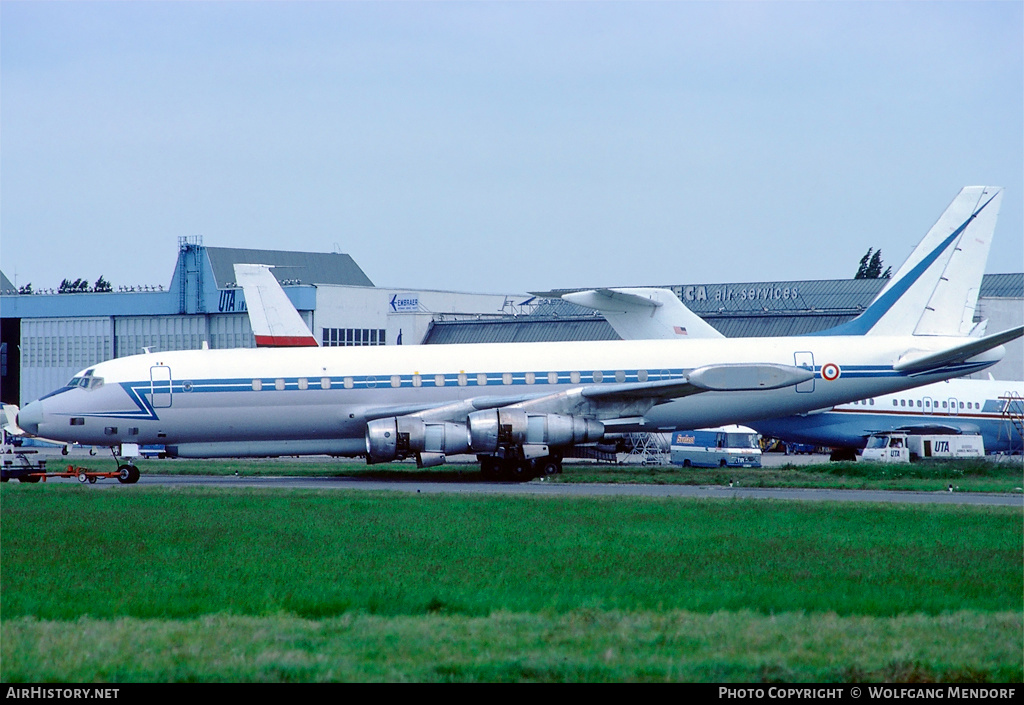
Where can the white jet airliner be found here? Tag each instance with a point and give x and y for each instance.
(993, 409)
(989, 408)
(519, 406)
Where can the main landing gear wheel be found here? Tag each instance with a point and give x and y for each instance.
(549, 466)
(127, 474)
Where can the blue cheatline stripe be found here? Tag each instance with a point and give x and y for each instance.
(881, 306)
(139, 391)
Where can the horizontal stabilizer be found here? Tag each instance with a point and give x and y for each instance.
(645, 313)
(920, 362)
(10, 420)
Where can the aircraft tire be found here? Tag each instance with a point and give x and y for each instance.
(521, 470)
(490, 467)
(127, 474)
(550, 466)
(843, 454)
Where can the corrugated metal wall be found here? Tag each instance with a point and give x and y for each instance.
(54, 349)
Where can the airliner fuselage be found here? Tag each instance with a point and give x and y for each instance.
(329, 394)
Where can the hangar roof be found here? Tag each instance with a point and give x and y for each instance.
(521, 329)
(305, 267)
(735, 310)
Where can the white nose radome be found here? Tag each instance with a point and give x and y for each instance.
(30, 417)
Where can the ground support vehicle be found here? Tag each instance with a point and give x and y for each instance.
(25, 470)
(897, 447)
(727, 446)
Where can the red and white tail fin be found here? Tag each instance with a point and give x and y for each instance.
(274, 320)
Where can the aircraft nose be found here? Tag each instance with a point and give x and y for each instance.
(30, 417)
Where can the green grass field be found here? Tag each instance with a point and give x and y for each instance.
(928, 476)
(156, 584)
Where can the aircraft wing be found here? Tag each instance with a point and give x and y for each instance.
(609, 401)
(941, 428)
(645, 313)
(921, 362)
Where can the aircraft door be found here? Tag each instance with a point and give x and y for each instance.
(806, 361)
(953, 407)
(160, 386)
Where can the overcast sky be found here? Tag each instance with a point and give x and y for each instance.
(504, 146)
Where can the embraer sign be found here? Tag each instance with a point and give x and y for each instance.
(405, 303)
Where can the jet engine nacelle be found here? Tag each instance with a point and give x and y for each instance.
(495, 428)
(396, 438)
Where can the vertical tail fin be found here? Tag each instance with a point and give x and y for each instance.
(274, 320)
(935, 291)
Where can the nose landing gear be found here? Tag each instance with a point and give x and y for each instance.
(127, 474)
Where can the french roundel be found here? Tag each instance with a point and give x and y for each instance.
(830, 371)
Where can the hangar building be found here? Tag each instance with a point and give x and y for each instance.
(47, 337)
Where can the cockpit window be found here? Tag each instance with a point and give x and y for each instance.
(86, 381)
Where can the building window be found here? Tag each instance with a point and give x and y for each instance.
(344, 337)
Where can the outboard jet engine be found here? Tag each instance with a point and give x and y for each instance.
(492, 429)
(397, 438)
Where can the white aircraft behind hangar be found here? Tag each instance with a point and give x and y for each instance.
(519, 406)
